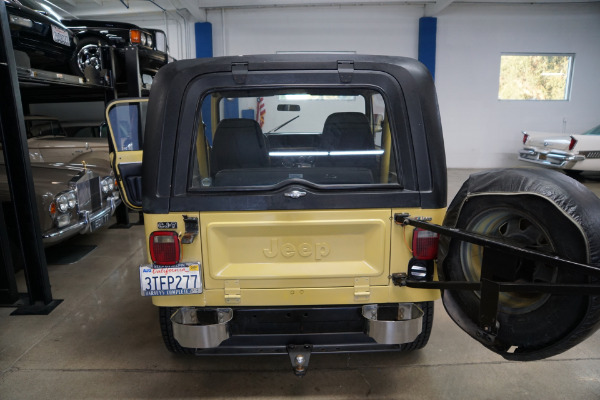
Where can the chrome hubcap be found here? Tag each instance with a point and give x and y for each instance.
(89, 55)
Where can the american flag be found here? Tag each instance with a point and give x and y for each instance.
(260, 111)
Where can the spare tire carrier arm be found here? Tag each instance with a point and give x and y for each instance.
(488, 287)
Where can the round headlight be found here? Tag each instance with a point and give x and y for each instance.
(62, 203)
(149, 40)
(72, 199)
(106, 183)
(143, 39)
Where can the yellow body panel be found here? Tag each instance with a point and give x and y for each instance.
(280, 258)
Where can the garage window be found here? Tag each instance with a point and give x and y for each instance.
(544, 77)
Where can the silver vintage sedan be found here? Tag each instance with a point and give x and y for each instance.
(74, 184)
(71, 199)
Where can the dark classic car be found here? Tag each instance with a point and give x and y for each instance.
(151, 44)
(39, 39)
(89, 35)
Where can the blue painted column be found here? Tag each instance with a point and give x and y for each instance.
(427, 44)
(204, 46)
(204, 49)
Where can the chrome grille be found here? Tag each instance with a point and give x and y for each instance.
(89, 195)
(590, 154)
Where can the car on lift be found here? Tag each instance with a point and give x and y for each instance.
(151, 45)
(315, 228)
(91, 35)
(572, 153)
(40, 40)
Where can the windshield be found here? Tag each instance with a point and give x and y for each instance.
(51, 9)
(317, 137)
(594, 131)
(43, 127)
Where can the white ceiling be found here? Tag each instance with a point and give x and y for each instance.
(197, 8)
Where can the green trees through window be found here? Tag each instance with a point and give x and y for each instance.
(535, 76)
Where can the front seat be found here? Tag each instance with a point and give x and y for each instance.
(347, 131)
(238, 144)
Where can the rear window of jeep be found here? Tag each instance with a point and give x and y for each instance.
(253, 139)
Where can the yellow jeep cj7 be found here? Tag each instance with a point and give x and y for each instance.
(297, 204)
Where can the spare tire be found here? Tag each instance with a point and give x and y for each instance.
(541, 210)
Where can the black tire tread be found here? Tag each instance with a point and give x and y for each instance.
(423, 338)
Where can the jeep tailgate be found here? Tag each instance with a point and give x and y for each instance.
(279, 249)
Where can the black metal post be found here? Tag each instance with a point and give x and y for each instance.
(132, 72)
(20, 180)
(9, 294)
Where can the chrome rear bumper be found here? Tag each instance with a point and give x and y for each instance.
(198, 328)
(550, 159)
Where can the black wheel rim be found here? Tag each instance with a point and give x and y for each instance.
(522, 230)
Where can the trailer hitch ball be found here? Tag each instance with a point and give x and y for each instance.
(299, 355)
(300, 360)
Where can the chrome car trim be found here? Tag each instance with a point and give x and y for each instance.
(81, 226)
(553, 159)
(190, 332)
(404, 329)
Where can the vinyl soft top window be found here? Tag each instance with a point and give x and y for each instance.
(317, 137)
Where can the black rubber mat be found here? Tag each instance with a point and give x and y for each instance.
(67, 253)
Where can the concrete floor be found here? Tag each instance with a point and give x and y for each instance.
(103, 342)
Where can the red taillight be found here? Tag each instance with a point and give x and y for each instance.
(164, 248)
(525, 137)
(573, 143)
(425, 244)
(135, 36)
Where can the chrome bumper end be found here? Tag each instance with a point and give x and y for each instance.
(190, 332)
(403, 329)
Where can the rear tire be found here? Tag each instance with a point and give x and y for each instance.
(423, 338)
(166, 328)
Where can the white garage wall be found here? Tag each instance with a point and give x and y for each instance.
(387, 30)
(480, 130)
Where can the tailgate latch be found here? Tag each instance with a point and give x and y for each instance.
(362, 290)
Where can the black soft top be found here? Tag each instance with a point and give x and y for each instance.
(165, 174)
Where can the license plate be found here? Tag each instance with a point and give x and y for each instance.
(98, 223)
(60, 36)
(170, 281)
